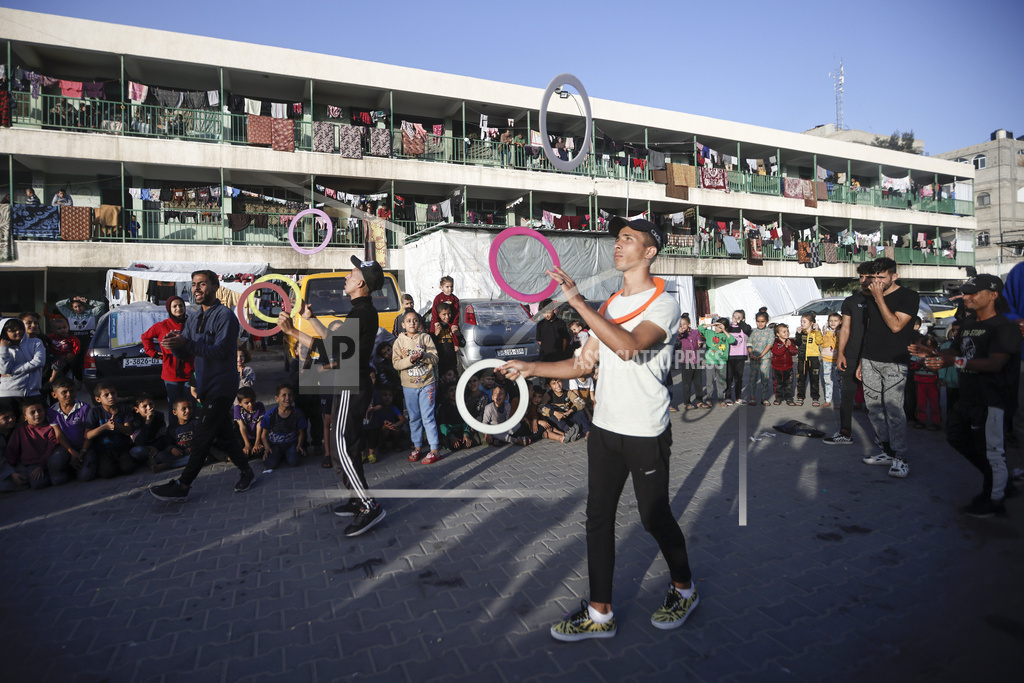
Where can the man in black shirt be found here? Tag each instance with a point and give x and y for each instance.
(884, 363)
(851, 339)
(982, 354)
(350, 406)
(552, 335)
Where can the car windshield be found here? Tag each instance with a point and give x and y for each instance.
(933, 300)
(326, 295)
(499, 313)
(819, 307)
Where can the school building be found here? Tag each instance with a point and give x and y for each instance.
(186, 149)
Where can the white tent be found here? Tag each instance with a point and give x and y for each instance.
(142, 272)
(463, 254)
(780, 295)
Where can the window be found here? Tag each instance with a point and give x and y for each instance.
(961, 160)
(984, 199)
(979, 161)
(982, 239)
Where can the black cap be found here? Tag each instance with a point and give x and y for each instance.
(723, 321)
(372, 273)
(982, 283)
(617, 223)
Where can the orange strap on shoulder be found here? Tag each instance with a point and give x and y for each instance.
(659, 289)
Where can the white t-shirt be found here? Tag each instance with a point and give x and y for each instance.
(635, 399)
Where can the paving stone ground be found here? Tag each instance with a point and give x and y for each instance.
(841, 573)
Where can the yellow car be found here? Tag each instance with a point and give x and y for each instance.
(325, 292)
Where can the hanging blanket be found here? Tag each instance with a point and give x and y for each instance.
(755, 256)
(350, 142)
(714, 179)
(323, 136)
(412, 145)
(380, 142)
(36, 222)
(261, 130)
(803, 252)
(813, 255)
(75, 223)
(890, 252)
(282, 135)
(830, 251)
(820, 191)
(378, 236)
(793, 188)
(239, 221)
(6, 244)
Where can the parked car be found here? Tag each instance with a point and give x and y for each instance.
(494, 328)
(325, 292)
(943, 308)
(116, 355)
(834, 304)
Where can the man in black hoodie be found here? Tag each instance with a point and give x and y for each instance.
(210, 340)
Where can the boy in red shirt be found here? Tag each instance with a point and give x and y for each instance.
(783, 351)
(37, 451)
(446, 297)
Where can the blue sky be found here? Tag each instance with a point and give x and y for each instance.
(951, 71)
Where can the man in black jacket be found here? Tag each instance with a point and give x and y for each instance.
(210, 340)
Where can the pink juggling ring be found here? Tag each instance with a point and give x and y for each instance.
(505, 287)
(286, 305)
(295, 221)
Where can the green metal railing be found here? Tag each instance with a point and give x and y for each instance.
(55, 112)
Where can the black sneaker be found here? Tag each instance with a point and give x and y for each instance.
(172, 490)
(367, 518)
(245, 481)
(837, 439)
(349, 509)
(983, 508)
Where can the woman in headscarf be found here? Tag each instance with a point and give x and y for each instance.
(176, 372)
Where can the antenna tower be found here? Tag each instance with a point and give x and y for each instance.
(838, 78)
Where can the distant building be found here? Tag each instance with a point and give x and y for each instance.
(861, 137)
(998, 199)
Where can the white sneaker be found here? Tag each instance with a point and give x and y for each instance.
(899, 469)
(880, 459)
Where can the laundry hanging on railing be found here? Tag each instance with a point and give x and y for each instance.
(901, 184)
(714, 179)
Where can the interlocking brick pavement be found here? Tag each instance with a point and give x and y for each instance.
(841, 573)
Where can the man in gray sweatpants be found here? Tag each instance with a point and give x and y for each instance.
(884, 363)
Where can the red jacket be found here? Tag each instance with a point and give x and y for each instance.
(174, 369)
(65, 347)
(31, 445)
(782, 355)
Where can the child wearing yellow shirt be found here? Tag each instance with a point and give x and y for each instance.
(808, 366)
(829, 351)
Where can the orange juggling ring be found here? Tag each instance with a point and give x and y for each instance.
(659, 289)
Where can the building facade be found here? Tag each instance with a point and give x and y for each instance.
(192, 149)
(998, 199)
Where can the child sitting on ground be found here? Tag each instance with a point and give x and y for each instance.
(110, 433)
(476, 397)
(72, 416)
(247, 414)
(149, 430)
(36, 451)
(584, 388)
(382, 426)
(283, 431)
(498, 412)
(565, 410)
(539, 427)
(452, 428)
(179, 438)
(8, 421)
(783, 351)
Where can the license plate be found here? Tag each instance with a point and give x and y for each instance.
(512, 352)
(143, 362)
